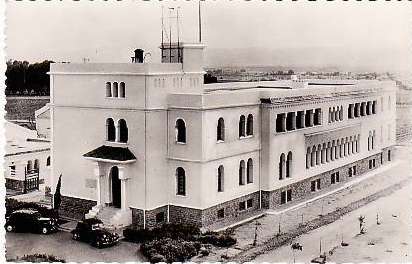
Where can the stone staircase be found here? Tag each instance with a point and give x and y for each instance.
(112, 218)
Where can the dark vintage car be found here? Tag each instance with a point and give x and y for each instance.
(30, 220)
(92, 231)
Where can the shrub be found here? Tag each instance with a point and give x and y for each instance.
(13, 205)
(217, 239)
(175, 231)
(37, 258)
(170, 250)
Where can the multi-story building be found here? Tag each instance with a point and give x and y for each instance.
(150, 143)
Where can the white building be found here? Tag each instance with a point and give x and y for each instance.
(27, 159)
(149, 143)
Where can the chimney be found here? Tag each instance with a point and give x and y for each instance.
(138, 56)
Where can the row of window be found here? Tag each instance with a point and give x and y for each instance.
(245, 128)
(115, 90)
(297, 120)
(285, 166)
(334, 177)
(335, 114)
(117, 132)
(362, 109)
(176, 81)
(323, 153)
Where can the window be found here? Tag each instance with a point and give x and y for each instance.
(281, 166)
(315, 185)
(48, 161)
(12, 170)
(122, 92)
(389, 155)
(160, 217)
(337, 176)
(289, 195)
(242, 172)
(29, 166)
(220, 178)
(290, 121)
(242, 126)
(124, 133)
(249, 178)
(221, 129)
(111, 130)
(108, 89)
(350, 173)
(332, 178)
(36, 165)
(318, 117)
(249, 125)
(249, 203)
(115, 92)
(283, 197)
(300, 119)
(242, 206)
(180, 181)
(221, 213)
(289, 165)
(180, 131)
(281, 122)
(354, 170)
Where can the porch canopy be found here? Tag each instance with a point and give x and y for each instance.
(111, 154)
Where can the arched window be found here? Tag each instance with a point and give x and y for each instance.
(242, 172)
(249, 125)
(221, 129)
(108, 89)
(282, 161)
(180, 181)
(289, 165)
(29, 166)
(36, 164)
(180, 131)
(220, 178)
(124, 133)
(313, 157)
(122, 92)
(307, 158)
(249, 171)
(115, 92)
(242, 126)
(317, 155)
(48, 161)
(369, 140)
(110, 130)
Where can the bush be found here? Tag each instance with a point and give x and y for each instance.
(175, 231)
(217, 239)
(37, 258)
(13, 205)
(170, 250)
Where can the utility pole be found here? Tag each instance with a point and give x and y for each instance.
(200, 25)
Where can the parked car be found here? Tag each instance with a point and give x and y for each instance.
(92, 231)
(30, 220)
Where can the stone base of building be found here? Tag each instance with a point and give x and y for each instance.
(15, 185)
(303, 189)
(75, 208)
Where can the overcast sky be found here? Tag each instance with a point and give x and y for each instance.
(372, 34)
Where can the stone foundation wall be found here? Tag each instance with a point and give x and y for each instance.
(152, 219)
(302, 190)
(186, 215)
(14, 184)
(137, 218)
(75, 208)
(231, 210)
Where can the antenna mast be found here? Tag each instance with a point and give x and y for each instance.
(162, 35)
(178, 33)
(200, 25)
(170, 34)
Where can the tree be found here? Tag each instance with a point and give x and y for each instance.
(57, 195)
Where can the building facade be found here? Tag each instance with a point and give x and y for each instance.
(145, 144)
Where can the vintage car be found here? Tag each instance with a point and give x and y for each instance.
(30, 220)
(92, 231)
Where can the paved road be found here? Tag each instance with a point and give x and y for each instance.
(61, 245)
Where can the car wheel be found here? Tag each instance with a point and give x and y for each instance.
(76, 236)
(44, 230)
(9, 228)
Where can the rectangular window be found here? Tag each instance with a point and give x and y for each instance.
(350, 172)
(318, 184)
(249, 203)
(289, 195)
(242, 206)
(337, 176)
(283, 197)
(160, 217)
(221, 213)
(370, 164)
(332, 178)
(354, 170)
(313, 186)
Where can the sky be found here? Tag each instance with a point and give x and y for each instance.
(350, 35)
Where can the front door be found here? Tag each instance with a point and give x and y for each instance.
(116, 187)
